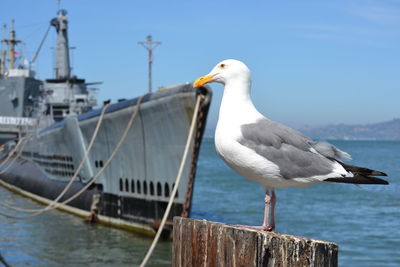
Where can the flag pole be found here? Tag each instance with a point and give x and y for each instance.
(149, 45)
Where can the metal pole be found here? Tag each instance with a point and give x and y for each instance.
(3, 51)
(11, 45)
(150, 63)
(149, 45)
(12, 42)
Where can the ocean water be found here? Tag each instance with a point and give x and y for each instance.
(364, 221)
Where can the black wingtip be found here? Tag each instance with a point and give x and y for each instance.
(377, 173)
(359, 179)
(361, 170)
(381, 174)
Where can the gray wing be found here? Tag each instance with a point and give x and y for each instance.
(330, 151)
(288, 149)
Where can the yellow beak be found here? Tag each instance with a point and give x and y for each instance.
(203, 80)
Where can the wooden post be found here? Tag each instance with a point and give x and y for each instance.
(203, 243)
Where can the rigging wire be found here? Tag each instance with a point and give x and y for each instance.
(40, 45)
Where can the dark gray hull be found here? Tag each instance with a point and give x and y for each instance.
(27, 176)
(135, 188)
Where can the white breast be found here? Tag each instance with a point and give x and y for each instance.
(235, 111)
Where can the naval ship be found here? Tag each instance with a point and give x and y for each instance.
(46, 127)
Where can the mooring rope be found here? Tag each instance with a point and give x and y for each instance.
(54, 204)
(177, 181)
(84, 158)
(20, 142)
(11, 153)
(77, 194)
(2, 260)
(108, 161)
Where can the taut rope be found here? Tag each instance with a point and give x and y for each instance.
(177, 181)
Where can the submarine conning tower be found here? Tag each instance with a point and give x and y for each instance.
(62, 68)
(65, 94)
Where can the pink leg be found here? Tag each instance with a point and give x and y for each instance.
(273, 202)
(269, 203)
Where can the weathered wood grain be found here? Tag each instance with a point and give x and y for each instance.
(203, 243)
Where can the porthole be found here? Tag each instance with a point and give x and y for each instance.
(151, 188)
(101, 164)
(126, 185)
(145, 187)
(138, 187)
(133, 186)
(96, 163)
(166, 190)
(121, 186)
(159, 193)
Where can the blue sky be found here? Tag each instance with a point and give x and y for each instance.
(313, 62)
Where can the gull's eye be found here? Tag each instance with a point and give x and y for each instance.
(222, 66)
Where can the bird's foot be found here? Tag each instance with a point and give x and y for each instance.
(268, 228)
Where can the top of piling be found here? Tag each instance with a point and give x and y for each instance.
(205, 243)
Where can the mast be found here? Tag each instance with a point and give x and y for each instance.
(12, 42)
(11, 48)
(3, 52)
(150, 45)
(63, 69)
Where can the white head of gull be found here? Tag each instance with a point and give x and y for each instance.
(270, 153)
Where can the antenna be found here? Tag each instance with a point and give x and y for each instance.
(149, 44)
(58, 5)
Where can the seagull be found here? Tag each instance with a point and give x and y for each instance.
(268, 152)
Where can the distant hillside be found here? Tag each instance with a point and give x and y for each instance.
(389, 130)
